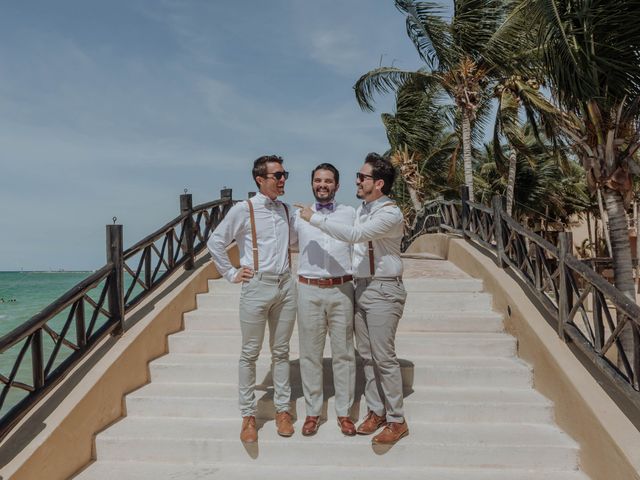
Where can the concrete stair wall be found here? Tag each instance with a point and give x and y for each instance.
(469, 402)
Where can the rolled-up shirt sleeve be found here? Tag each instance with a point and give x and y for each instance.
(227, 231)
(379, 226)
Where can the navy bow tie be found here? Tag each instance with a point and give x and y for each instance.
(324, 206)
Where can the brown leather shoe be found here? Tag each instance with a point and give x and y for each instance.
(310, 426)
(284, 424)
(392, 432)
(371, 423)
(346, 426)
(249, 432)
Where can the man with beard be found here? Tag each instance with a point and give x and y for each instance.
(380, 294)
(263, 233)
(325, 304)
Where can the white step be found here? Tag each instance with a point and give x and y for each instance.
(476, 405)
(427, 321)
(136, 470)
(414, 344)
(440, 301)
(222, 287)
(434, 371)
(429, 444)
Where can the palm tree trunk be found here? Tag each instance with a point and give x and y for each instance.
(466, 152)
(605, 221)
(511, 181)
(415, 199)
(622, 266)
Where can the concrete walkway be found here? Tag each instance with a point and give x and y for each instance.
(469, 401)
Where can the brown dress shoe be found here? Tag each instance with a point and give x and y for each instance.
(346, 426)
(249, 432)
(310, 426)
(371, 423)
(284, 424)
(392, 432)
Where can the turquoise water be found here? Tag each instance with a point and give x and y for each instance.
(25, 294)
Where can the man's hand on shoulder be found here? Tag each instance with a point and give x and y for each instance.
(244, 275)
(305, 211)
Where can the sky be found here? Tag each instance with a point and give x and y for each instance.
(114, 108)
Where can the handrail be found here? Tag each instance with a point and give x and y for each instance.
(582, 305)
(63, 333)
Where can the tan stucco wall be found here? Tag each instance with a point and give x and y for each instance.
(63, 443)
(609, 442)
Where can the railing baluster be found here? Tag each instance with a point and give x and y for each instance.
(565, 302)
(496, 202)
(81, 333)
(147, 268)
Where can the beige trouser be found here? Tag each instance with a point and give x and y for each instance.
(267, 299)
(379, 307)
(322, 310)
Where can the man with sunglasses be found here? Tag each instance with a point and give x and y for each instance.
(262, 230)
(379, 294)
(325, 305)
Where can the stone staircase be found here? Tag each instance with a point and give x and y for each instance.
(469, 401)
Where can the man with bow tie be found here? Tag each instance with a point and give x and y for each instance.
(262, 230)
(325, 305)
(379, 293)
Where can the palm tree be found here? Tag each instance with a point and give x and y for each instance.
(421, 140)
(459, 55)
(590, 52)
(516, 94)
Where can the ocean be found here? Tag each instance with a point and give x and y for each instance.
(22, 295)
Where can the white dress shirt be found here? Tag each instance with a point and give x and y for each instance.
(383, 225)
(273, 232)
(322, 256)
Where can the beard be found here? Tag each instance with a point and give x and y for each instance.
(329, 196)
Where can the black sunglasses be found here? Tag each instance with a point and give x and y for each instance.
(362, 176)
(278, 175)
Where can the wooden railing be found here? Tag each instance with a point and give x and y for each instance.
(584, 308)
(44, 349)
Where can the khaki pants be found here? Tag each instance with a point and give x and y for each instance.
(322, 310)
(267, 299)
(379, 307)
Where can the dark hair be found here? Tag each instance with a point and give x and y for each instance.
(327, 166)
(260, 165)
(381, 169)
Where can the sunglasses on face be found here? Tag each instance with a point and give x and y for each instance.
(362, 176)
(278, 175)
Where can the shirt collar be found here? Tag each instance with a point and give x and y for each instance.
(371, 206)
(261, 199)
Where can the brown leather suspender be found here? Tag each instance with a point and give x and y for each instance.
(286, 210)
(254, 239)
(372, 263)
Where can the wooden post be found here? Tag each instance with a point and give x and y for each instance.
(116, 286)
(225, 193)
(186, 208)
(147, 267)
(464, 196)
(496, 202)
(81, 331)
(37, 359)
(565, 302)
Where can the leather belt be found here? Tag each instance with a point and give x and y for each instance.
(325, 282)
